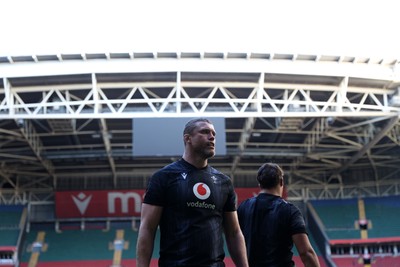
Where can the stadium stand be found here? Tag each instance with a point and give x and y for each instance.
(384, 222)
(338, 217)
(12, 225)
(115, 246)
(358, 232)
(91, 247)
(76, 245)
(97, 244)
(344, 232)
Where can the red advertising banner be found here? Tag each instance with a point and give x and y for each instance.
(88, 204)
(113, 203)
(245, 193)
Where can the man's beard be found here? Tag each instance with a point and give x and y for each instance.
(209, 154)
(206, 152)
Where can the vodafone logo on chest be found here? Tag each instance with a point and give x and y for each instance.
(201, 191)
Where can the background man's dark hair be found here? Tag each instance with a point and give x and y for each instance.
(269, 175)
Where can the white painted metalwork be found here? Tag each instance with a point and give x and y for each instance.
(319, 116)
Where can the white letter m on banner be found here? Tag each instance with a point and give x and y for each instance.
(124, 197)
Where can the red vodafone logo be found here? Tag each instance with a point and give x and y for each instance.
(201, 191)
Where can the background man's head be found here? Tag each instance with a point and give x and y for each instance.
(269, 176)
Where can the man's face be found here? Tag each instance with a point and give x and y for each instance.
(203, 140)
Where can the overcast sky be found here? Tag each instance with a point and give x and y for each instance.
(354, 28)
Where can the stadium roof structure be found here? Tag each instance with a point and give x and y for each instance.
(332, 122)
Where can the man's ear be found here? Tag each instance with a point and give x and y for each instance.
(281, 182)
(186, 138)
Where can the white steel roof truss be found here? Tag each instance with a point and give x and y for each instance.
(190, 101)
(355, 106)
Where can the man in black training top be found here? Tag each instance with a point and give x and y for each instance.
(271, 225)
(194, 204)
